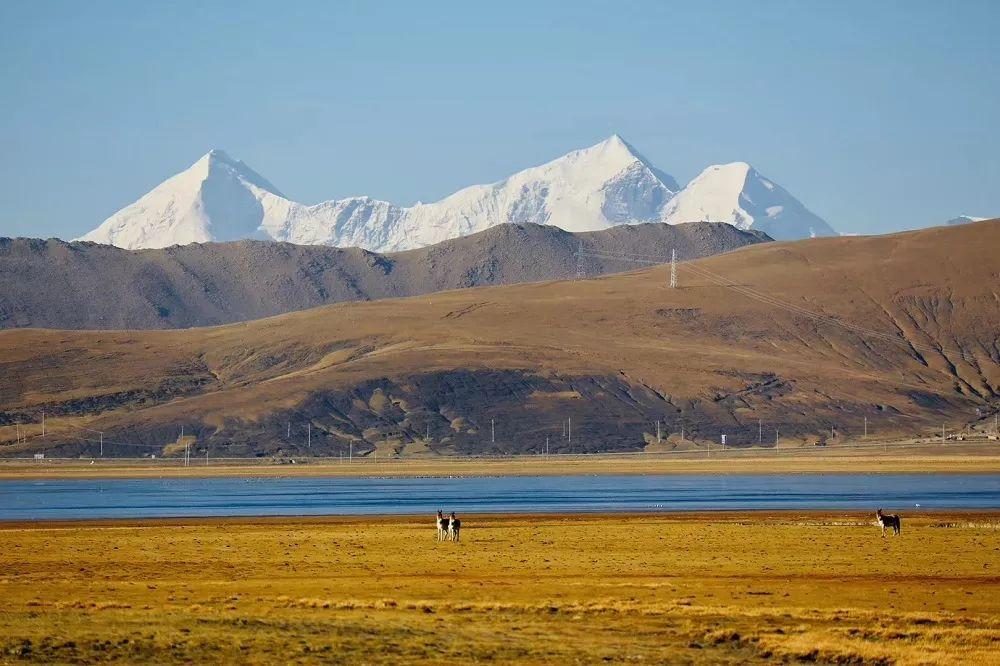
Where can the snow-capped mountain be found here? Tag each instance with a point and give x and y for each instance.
(220, 198)
(964, 219)
(736, 193)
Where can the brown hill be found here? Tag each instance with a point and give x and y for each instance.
(901, 329)
(54, 284)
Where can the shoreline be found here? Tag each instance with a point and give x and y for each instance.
(982, 460)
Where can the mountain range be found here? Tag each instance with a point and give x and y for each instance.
(801, 341)
(81, 285)
(221, 199)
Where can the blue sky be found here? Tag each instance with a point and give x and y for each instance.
(878, 116)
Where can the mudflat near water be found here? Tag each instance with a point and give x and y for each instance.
(698, 588)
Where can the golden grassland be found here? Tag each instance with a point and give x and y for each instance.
(968, 458)
(697, 588)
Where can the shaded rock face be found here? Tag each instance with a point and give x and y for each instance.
(53, 284)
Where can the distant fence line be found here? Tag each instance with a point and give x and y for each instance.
(716, 452)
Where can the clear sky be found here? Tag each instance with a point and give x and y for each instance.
(877, 115)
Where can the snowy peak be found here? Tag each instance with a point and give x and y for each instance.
(964, 219)
(610, 183)
(216, 198)
(217, 162)
(738, 194)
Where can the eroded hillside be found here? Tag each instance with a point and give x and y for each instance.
(808, 338)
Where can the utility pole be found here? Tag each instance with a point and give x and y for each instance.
(775, 438)
(673, 269)
(206, 454)
(866, 427)
(942, 433)
(102, 444)
(569, 430)
(546, 446)
(760, 432)
(580, 274)
(18, 425)
(493, 432)
(657, 431)
(309, 435)
(350, 454)
(43, 424)
(288, 430)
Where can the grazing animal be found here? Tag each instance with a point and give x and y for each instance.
(454, 527)
(442, 526)
(884, 521)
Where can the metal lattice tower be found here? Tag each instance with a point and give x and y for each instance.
(673, 269)
(580, 273)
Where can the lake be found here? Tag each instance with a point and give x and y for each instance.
(166, 497)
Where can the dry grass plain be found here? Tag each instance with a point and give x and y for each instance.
(691, 588)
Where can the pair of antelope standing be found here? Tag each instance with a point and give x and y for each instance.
(449, 528)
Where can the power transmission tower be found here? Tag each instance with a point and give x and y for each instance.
(493, 432)
(760, 432)
(673, 269)
(580, 273)
(657, 431)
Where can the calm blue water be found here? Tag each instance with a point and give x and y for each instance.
(147, 498)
